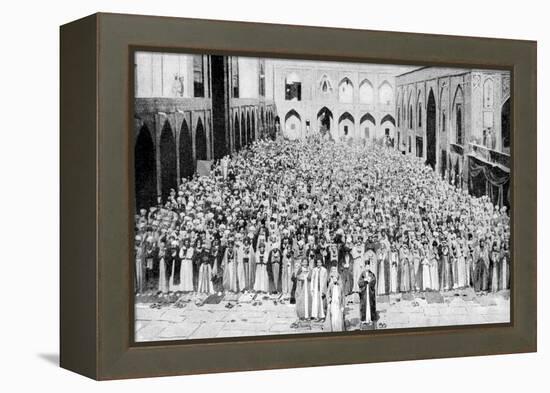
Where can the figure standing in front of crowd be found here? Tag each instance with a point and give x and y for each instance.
(358, 256)
(367, 284)
(186, 256)
(173, 262)
(426, 268)
(416, 269)
(404, 268)
(494, 268)
(394, 267)
(481, 267)
(205, 275)
(318, 289)
(335, 320)
(150, 262)
(164, 273)
(371, 261)
(274, 268)
(383, 268)
(446, 268)
(198, 252)
(216, 254)
(505, 266)
(287, 269)
(229, 264)
(261, 281)
(139, 265)
(245, 265)
(303, 291)
(345, 268)
(434, 267)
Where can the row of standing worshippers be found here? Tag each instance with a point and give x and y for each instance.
(270, 267)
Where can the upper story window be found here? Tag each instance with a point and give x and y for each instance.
(198, 76)
(345, 91)
(293, 88)
(366, 92)
(385, 94)
(325, 85)
(419, 115)
(235, 76)
(262, 79)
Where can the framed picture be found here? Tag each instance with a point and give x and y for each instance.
(241, 196)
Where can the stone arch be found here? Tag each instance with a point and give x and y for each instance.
(237, 132)
(346, 125)
(431, 135)
(324, 119)
(168, 164)
(293, 124)
(345, 90)
(248, 132)
(200, 141)
(458, 116)
(367, 124)
(252, 135)
(186, 151)
(366, 92)
(145, 169)
(385, 93)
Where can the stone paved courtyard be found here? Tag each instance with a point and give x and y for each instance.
(188, 317)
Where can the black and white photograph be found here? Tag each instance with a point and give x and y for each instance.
(276, 196)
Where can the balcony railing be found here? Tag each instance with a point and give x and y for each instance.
(490, 155)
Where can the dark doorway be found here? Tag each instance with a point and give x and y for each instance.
(200, 141)
(186, 152)
(145, 170)
(168, 169)
(247, 128)
(237, 133)
(252, 135)
(431, 139)
(324, 116)
(220, 104)
(505, 124)
(419, 146)
(243, 131)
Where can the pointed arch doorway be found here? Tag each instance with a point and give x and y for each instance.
(145, 170)
(431, 138)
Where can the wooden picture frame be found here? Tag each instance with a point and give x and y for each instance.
(97, 205)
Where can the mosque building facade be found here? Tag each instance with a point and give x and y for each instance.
(458, 121)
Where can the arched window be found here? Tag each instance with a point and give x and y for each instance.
(262, 79)
(366, 92)
(410, 116)
(385, 94)
(419, 114)
(293, 88)
(325, 84)
(235, 76)
(458, 107)
(345, 90)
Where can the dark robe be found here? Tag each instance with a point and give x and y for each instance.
(217, 279)
(274, 263)
(481, 273)
(346, 272)
(363, 288)
(173, 261)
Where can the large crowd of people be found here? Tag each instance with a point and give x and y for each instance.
(316, 221)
